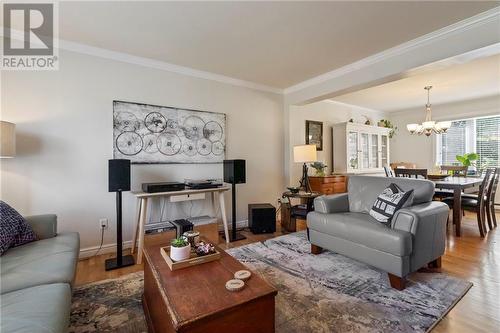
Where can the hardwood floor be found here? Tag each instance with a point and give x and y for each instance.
(469, 257)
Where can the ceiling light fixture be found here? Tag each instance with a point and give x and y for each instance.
(428, 126)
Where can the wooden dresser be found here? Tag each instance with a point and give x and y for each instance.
(328, 184)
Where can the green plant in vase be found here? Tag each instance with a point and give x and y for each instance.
(180, 249)
(319, 168)
(468, 159)
(179, 242)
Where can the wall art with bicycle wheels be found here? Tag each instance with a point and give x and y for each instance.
(146, 134)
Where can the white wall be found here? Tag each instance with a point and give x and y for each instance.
(329, 113)
(64, 133)
(420, 149)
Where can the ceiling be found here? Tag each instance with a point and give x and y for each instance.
(475, 79)
(277, 44)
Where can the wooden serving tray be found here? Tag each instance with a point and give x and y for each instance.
(193, 260)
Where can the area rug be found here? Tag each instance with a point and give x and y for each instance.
(316, 293)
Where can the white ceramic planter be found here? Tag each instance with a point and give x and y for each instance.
(180, 253)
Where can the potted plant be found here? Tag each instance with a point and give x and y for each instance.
(467, 159)
(388, 124)
(180, 249)
(320, 168)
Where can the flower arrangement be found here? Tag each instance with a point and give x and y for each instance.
(319, 167)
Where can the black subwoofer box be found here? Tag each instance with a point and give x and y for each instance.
(262, 218)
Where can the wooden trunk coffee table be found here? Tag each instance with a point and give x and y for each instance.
(195, 299)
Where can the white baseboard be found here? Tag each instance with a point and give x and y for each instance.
(111, 248)
(106, 248)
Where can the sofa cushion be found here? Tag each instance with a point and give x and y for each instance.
(389, 202)
(362, 229)
(364, 190)
(45, 261)
(40, 309)
(14, 230)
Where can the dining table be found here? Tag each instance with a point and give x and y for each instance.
(458, 185)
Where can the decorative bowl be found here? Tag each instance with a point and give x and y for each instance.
(437, 176)
(294, 189)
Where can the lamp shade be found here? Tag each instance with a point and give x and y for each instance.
(305, 153)
(7, 139)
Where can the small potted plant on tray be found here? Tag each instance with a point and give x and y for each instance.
(180, 249)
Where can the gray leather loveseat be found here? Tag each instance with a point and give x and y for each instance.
(415, 238)
(36, 280)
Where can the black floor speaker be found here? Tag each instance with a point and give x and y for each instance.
(262, 218)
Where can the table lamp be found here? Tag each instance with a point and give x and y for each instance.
(7, 139)
(305, 154)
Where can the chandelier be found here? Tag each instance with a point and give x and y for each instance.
(428, 126)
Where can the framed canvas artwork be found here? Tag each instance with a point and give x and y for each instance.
(314, 134)
(147, 134)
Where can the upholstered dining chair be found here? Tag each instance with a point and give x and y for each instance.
(478, 204)
(410, 173)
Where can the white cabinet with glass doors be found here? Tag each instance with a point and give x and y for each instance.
(360, 148)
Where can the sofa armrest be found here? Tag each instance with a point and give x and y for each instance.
(44, 226)
(334, 203)
(427, 223)
(411, 218)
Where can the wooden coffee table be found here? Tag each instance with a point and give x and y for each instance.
(195, 299)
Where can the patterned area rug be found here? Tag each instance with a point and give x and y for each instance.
(322, 293)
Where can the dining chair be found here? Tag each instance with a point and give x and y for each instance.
(388, 171)
(405, 165)
(409, 173)
(490, 197)
(477, 205)
(455, 170)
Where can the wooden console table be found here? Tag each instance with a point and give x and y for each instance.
(142, 207)
(195, 299)
(328, 184)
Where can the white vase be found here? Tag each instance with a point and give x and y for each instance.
(180, 253)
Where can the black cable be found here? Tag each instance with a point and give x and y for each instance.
(102, 239)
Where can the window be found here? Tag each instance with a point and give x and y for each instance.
(476, 135)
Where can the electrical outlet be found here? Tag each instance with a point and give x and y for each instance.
(103, 223)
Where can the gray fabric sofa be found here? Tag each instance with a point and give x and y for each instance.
(36, 280)
(415, 238)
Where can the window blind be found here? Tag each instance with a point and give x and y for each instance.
(488, 141)
(477, 135)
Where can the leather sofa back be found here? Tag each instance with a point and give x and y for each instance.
(364, 190)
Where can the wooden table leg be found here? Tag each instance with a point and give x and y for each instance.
(457, 211)
(136, 229)
(222, 205)
(142, 222)
(214, 204)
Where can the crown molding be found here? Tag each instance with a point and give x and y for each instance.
(360, 108)
(161, 65)
(150, 63)
(455, 28)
